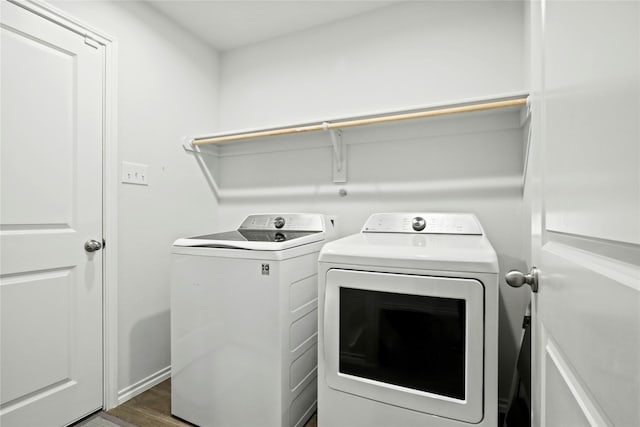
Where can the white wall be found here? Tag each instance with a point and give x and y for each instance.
(412, 53)
(167, 89)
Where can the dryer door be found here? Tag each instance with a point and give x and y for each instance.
(406, 340)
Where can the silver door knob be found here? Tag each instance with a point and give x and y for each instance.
(516, 279)
(92, 246)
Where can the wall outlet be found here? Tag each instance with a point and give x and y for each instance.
(134, 173)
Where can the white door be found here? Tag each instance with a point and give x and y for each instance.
(50, 205)
(583, 183)
(380, 329)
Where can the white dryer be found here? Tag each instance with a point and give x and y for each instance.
(244, 322)
(408, 324)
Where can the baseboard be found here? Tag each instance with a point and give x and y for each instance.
(143, 385)
(503, 405)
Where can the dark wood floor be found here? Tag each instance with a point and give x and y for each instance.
(153, 408)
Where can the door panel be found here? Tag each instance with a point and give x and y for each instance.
(592, 105)
(591, 308)
(26, 153)
(583, 186)
(51, 203)
(564, 405)
(360, 340)
(47, 332)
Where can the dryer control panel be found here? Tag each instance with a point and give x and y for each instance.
(424, 223)
(299, 222)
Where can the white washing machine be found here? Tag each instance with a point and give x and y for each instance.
(408, 324)
(244, 322)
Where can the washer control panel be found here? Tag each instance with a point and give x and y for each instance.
(301, 222)
(425, 223)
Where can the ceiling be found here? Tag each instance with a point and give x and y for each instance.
(227, 24)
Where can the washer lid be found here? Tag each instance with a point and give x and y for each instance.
(253, 239)
(444, 252)
(267, 232)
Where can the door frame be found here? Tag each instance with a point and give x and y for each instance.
(109, 187)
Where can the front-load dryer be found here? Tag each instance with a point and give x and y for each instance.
(244, 322)
(408, 324)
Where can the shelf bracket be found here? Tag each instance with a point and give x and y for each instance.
(339, 154)
(525, 113)
(188, 146)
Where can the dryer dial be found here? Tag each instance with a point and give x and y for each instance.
(418, 223)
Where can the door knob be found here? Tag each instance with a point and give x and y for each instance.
(92, 246)
(516, 279)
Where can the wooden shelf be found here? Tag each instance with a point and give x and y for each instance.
(335, 127)
(395, 116)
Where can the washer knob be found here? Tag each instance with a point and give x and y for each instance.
(418, 223)
(278, 222)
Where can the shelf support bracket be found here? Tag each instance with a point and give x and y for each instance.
(188, 146)
(525, 113)
(339, 154)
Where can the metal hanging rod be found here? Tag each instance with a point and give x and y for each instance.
(518, 102)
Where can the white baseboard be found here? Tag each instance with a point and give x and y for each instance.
(143, 385)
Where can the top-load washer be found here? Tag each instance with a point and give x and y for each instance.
(244, 322)
(408, 324)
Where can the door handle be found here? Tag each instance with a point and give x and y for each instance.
(516, 278)
(92, 245)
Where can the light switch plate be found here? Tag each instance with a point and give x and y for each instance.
(134, 173)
